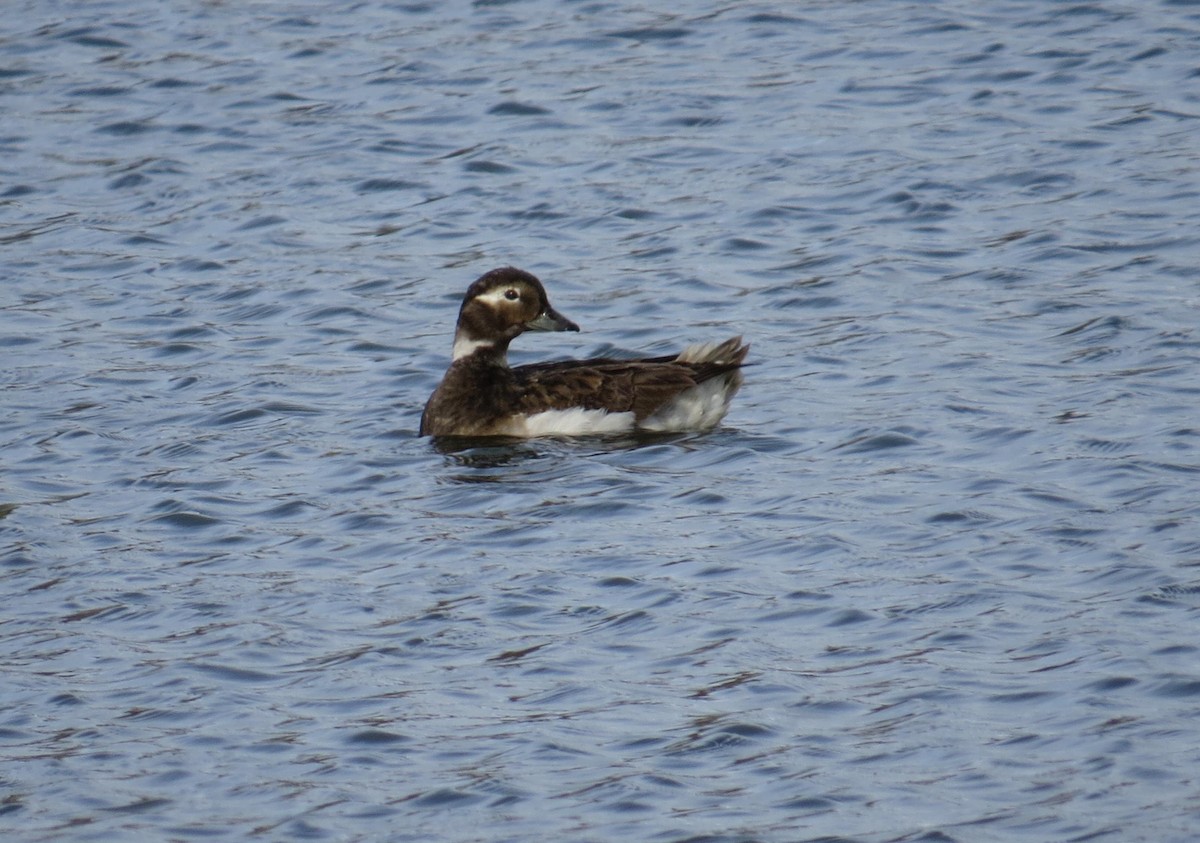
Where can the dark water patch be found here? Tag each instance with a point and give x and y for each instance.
(171, 82)
(193, 331)
(745, 244)
(952, 604)
(848, 617)
(810, 302)
(377, 737)
(290, 407)
(175, 349)
(652, 34)
(139, 806)
(127, 128)
(85, 37)
(443, 798)
(958, 517)
(488, 167)
(239, 417)
(322, 314)
(252, 313)
(512, 108)
(635, 214)
(1178, 688)
(262, 222)
(877, 442)
(1113, 683)
(198, 265)
(368, 521)
(234, 674)
(774, 18)
(387, 185)
(94, 613)
(143, 240)
(1022, 698)
(540, 211)
(101, 91)
(187, 520)
(1186, 592)
(225, 146)
(287, 510)
(695, 121)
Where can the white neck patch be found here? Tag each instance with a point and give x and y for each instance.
(464, 347)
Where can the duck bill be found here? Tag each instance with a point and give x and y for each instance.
(551, 320)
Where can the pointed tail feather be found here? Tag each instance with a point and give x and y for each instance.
(728, 353)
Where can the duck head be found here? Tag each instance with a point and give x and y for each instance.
(499, 307)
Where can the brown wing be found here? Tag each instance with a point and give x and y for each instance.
(642, 386)
(617, 386)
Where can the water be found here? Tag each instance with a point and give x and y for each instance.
(935, 578)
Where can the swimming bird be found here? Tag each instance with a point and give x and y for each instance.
(481, 395)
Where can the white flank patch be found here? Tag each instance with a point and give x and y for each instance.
(699, 408)
(574, 422)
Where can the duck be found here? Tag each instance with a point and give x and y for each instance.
(481, 395)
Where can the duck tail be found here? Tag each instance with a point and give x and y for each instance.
(728, 354)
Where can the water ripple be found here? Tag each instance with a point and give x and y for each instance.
(933, 575)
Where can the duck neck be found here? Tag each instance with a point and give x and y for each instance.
(491, 351)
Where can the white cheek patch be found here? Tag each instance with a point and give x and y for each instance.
(497, 296)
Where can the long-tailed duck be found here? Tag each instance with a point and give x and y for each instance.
(480, 395)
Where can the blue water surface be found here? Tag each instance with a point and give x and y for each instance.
(936, 577)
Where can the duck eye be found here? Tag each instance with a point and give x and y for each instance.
(511, 294)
